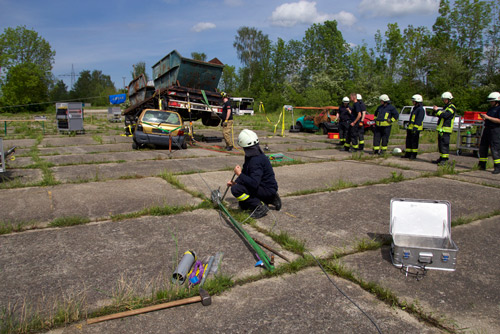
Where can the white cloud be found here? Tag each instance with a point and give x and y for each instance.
(203, 26)
(305, 12)
(345, 18)
(390, 8)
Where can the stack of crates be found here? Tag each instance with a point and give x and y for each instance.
(69, 117)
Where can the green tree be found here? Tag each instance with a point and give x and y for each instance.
(138, 69)
(25, 88)
(199, 56)
(59, 91)
(95, 87)
(324, 48)
(492, 49)
(22, 46)
(393, 47)
(228, 79)
(250, 44)
(414, 50)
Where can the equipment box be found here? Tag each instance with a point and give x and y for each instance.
(421, 234)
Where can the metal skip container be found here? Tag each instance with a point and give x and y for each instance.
(421, 234)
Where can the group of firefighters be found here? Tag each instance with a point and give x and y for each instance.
(256, 188)
(351, 127)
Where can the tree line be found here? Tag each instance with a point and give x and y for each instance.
(459, 54)
(26, 80)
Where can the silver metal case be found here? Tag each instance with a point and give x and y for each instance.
(421, 234)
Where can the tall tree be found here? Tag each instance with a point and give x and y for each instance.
(228, 79)
(22, 46)
(414, 50)
(59, 91)
(492, 49)
(25, 86)
(94, 86)
(250, 44)
(393, 48)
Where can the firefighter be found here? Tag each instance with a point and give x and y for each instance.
(344, 117)
(385, 115)
(352, 139)
(361, 128)
(256, 186)
(227, 121)
(491, 134)
(414, 127)
(445, 127)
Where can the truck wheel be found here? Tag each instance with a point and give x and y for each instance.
(299, 127)
(325, 130)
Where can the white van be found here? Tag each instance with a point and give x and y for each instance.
(430, 120)
(242, 105)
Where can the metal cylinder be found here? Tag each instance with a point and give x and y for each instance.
(180, 274)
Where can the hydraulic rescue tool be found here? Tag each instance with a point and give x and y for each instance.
(216, 199)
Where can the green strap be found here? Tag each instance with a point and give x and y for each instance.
(157, 127)
(205, 97)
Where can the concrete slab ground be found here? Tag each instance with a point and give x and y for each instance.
(479, 177)
(85, 149)
(338, 220)
(91, 260)
(304, 177)
(142, 168)
(20, 176)
(94, 200)
(305, 302)
(20, 143)
(130, 156)
(467, 299)
(61, 141)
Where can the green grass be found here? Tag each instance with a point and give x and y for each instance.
(69, 221)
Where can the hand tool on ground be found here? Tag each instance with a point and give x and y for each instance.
(207, 271)
(269, 248)
(204, 298)
(185, 264)
(225, 192)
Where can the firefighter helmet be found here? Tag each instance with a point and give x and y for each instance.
(345, 99)
(384, 98)
(223, 94)
(417, 98)
(359, 97)
(247, 138)
(447, 95)
(495, 96)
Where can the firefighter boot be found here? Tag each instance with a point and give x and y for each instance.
(376, 152)
(413, 156)
(497, 169)
(481, 165)
(260, 211)
(443, 162)
(276, 202)
(361, 147)
(437, 161)
(406, 156)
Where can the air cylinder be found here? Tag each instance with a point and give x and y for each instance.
(180, 274)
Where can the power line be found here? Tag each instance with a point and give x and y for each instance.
(52, 102)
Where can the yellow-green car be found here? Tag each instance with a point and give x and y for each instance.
(155, 127)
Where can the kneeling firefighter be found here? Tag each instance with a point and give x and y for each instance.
(256, 186)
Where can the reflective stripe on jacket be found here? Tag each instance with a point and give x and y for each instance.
(417, 118)
(385, 115)
(446, 118)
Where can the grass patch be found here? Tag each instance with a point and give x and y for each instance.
(367, 244)
(69, 221)
(337, 268)
(97, 139)
(469, 219)
(288, 243)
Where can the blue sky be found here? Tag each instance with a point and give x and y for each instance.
(112, 35)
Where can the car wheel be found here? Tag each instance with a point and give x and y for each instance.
(184, 144)
(405, 125)
(295, 128)
(299, 127)
(135, 146)
(459, 152)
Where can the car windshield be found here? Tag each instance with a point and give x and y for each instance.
(161, 117)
